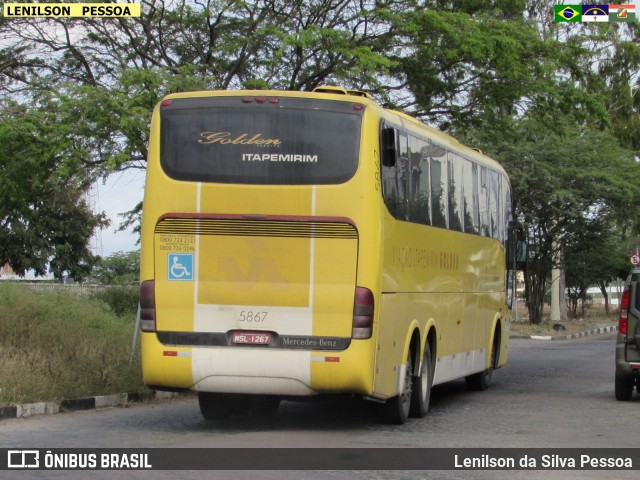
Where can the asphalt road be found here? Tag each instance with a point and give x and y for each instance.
(552, 394)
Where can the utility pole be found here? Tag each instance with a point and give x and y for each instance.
(558, 304)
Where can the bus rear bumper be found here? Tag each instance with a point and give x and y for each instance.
(252, 371)
(257, 370)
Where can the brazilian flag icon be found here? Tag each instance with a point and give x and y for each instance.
(568, 13)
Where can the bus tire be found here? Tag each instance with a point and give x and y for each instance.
(217, 406)
(421, 391)
(480, 381)
(396, 410)
(624, 389)
(264, 405)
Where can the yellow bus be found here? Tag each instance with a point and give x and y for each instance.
(305, 243)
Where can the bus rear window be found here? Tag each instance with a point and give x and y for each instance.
(291, 142)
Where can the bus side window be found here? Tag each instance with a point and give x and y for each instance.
(389, 170)
(483, 202)
(419, 166)
(402, 176)
(454, 192)
(505, 191)
(438, 192)
(388, 140)
(470, 197)
(495, 210)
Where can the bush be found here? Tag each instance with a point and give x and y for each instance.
(122, 300)
(57, 345)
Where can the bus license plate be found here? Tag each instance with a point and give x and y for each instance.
(251, 338)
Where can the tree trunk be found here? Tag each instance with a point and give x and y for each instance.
(564, 315)
(605, 294)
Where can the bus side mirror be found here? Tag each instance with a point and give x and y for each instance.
(516, 248)
(388, 147)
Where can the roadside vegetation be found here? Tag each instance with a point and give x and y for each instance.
(56, 345)
(594, 317)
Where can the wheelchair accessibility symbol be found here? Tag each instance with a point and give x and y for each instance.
(180, 266)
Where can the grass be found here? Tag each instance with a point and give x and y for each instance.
(595, 317)
(54, 345)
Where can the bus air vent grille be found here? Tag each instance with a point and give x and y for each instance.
(256, 228)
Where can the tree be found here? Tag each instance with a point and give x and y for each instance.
(594, 255)
(120, 268)
(45, 224)
(557, 143)
(113, 73)
(562, 178)
(464, 62)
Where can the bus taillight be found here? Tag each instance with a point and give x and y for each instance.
(148, 306)
(362, 313)
(623, 322)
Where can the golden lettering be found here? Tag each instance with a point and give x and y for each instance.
(224, 138)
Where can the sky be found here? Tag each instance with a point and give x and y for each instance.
(119, 194)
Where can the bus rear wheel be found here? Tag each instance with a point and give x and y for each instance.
(396, 410)
(264, 405)
(421, 392)
(218, 406)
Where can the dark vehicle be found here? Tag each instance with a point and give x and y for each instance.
(628, 341)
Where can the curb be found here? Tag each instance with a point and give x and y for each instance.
(86, 403)
(595, 331)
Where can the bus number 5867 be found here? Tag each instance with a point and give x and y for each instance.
(251, 316)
